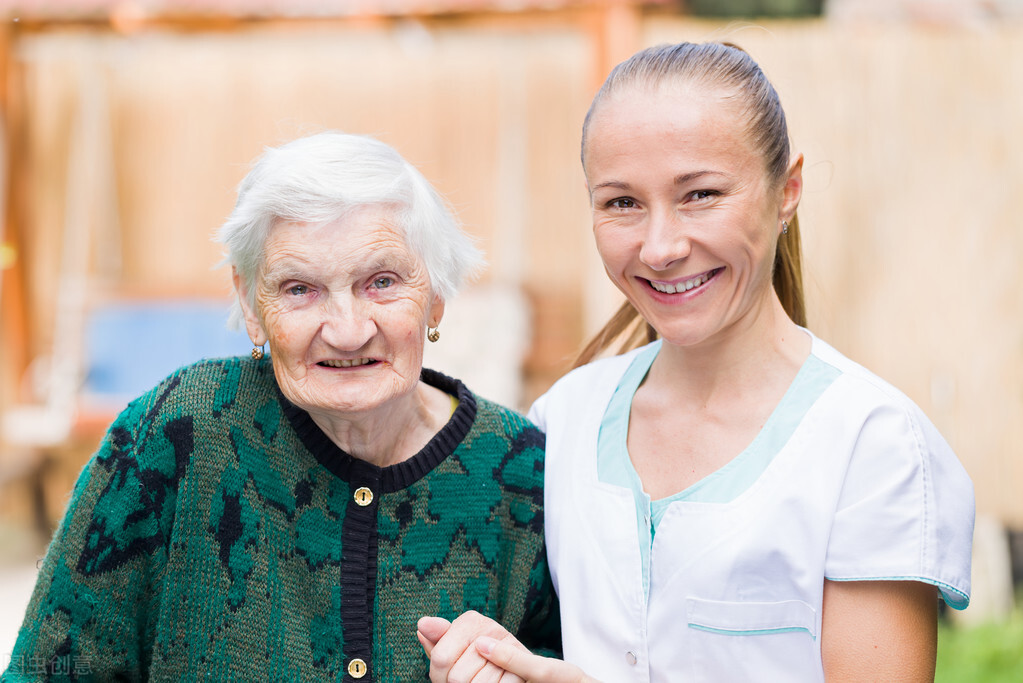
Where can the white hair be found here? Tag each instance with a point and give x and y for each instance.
(319, 179)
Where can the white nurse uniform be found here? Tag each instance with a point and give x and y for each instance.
(847, 481)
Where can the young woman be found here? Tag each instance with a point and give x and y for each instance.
(734, 500)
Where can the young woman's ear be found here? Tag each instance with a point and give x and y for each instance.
(792, 191)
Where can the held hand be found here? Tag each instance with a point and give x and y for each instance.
(514, 658)
(430, 630)
(453, 656)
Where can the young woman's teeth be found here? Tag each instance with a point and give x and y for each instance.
(680, 286)
(346, 363)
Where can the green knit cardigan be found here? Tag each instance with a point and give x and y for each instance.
(218, 533)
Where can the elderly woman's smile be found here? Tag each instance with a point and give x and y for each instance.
(347, 363)
(344, 306)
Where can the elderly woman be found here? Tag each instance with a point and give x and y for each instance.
(291, 516)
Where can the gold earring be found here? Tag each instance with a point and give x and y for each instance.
(433, 335)
(257, 353)
(784, 228)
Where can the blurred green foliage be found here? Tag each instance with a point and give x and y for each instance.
(987, 653)
(755, 8)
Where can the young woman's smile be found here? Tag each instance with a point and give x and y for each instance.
(683, 287)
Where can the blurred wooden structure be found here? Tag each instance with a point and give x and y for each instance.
(129, 132)
(137, 128)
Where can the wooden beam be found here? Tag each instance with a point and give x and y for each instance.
(615, 31)
(13, 313)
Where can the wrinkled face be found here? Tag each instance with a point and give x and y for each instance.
(685, 216)
(344, 307)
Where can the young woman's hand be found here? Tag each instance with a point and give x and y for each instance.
(513, 658)
(452, 651)
(477, 649)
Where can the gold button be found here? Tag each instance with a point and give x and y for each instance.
(357, 668)
(363, 496)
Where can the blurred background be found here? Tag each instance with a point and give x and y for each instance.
(126, 126)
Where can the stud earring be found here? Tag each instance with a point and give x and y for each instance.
(784, 228)
(433, 335)
(257, 353)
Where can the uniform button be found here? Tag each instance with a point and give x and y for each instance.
(630, 659)
(363, 496)
(357, 668)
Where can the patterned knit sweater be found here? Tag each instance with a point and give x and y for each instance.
(218, 533)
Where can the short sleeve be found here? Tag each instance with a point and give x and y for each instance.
(906, 507)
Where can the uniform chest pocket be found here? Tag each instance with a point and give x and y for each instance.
(752, 641)
(751, 618)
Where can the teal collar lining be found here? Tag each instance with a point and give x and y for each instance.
(726, 484)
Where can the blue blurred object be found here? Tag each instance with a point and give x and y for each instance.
(132, 346)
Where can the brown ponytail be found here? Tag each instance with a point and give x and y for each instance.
(627, 324)
(788, 273)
